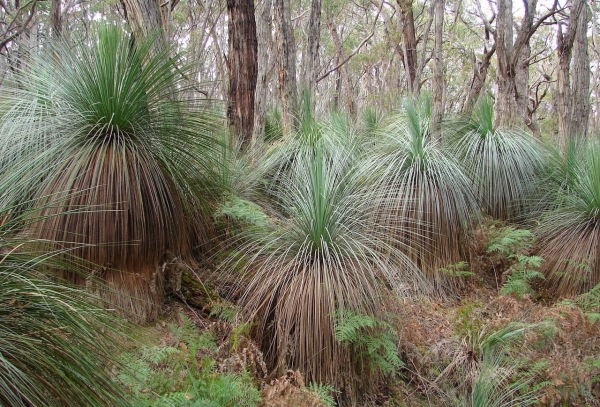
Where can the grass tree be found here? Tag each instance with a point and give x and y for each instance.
(430, 199)
(55, 342)
(106, 128)
(503, 164)
(482, 370)
(321, 252)
(568, 235)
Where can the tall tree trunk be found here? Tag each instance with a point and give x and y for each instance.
(409, 43)
(564, 94)
(260, 105)
(581, 77)
(56, 18)
(513, 55)
(242, 67)
(506, 104)
(344, 82)
(521, 61)
(286, 54)
(145, 19)
(438, 70)
(311, 59)
(480, 70)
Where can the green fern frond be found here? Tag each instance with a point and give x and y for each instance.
(510, 240)
(324, 393)
(371, 337)
(241, 210)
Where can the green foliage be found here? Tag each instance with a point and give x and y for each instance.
(459, 269)
(56, 343)
(371, 121)
(467, 321)
(429, 198)
(503, 164)
(518, 283)
(184, 375)
(324, 392)
(243, 211)
(568, 233)
(513, 243)
(487, 370)
(589, 302)
(510, 241)
(225, 311)
(40, 321)
(273, 126)
(501, 383)
(372, 338)
(522, 273)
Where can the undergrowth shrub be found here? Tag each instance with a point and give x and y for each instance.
(483, 368)
(372, 338)
(522, 268)
(184, 375)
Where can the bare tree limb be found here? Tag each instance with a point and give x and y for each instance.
(345, 61)
(23, 27)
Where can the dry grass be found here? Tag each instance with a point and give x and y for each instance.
(562, 345)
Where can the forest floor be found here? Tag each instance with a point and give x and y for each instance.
(550, 353)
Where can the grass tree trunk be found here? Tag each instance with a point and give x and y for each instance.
(242, 67)
(263, 34)
(565, 91)
(286, 63)
(438, 70)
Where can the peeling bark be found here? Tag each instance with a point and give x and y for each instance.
(242, 68)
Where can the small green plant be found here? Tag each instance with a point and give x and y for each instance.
(588, 302)
(184, 375)
(372, 338)
(241, 210)
(460, 269)
(468, 319)
(324, 392)
(522, 273)
(514, 244)
(484, 370)
(510, 241)
(224, 311)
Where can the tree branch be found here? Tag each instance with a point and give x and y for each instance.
(332, 70)
(21, 29)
